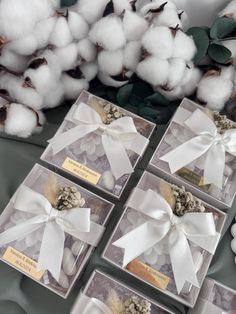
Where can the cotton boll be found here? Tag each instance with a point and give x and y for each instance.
(154, 71)
(110, 62)
(43, 30)
(184, 20)
(73, 87)
(176, 93)
(67, 56)
(190, 80)
(159, 42)
(132, 55)
(13, 61)
(42, 9)
(108, 33)
(53, 63)
(89, 70)
(54, 97)
(121, 5)
(21, 121)
(108, 81)
(24, 45)
(184, 46)
(215, 91)
(229, 10)
(168, 17)
(87, 50)
(231, 45)
(91, 13)
(176, 72)
(134, 25)
(156, 5)
(227, 73)
(78, 26)
(61, 35)
(17, 18)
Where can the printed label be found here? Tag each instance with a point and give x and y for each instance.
(81, 170)
(23, 263)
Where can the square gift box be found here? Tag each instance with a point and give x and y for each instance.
(104, 294)
(166, 237)
(198, 150)
(215, 298)
(99, 143)
(50, 227)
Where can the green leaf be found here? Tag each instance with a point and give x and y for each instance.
(201, 39)
(124, 94)
(68, 3)
(157, 99)
(142, 89)
(222, 27)
(219, 53)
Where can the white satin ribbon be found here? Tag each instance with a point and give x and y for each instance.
(162, 224)
(87, 305)
(75, 221)
(211, 308)
(207, 141)
(117, 136)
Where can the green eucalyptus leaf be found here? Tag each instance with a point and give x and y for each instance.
(219, 53)
(124, 94)
(157, 99)
(159, 115)
(142, 89)
(201, 39)
(222, 27)
(68, 3)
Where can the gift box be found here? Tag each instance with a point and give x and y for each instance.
(99, 143)
(104, 294)
(166, 237)
(215, 298)
(50, 227)
(198, 150)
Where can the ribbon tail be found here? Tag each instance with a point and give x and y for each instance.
(137, 241)
(117, 156)
(137, 144)
(181, 260)
(21, 230)
(214, 165)
(60, 141)
(52, 249)
(186, 153)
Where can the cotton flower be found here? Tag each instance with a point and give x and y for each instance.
(24, 46)
(231, 45)
(159, 41)
(121, 5)
(168, 17)
(215, 91)
(134, 25)
(89, 12)
(109, 81)
(177, 68)
(86, 50)
(73, 87)
(229, 10)
(67, 56)
(78, 26)
(13, 61)
(89, 70)
(108, 33)
(54, 97)
(155, 5)
(21, 121)
(132, 55)
(110, 62)
(154, 71)
(61, 35)
(184, 46)
(43, 30)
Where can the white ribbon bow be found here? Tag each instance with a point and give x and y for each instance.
(211, 308)
(75, 221)
(87, 305)
(207, 140)
(117, 136)
(162, 224)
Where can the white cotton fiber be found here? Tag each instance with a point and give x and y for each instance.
(215, 91)
(176, 72)
(67, 56)
(21, 121)
(108, 33)
(192, 77)
(184, 46)
(110, 62)
(54, 97)
(134, 25)
(73, 87)
(87, 50)
(168, 17)
(53, 63)
(61, 35)
(107, 80)
(90, 10)
(89, 70)
(176, 93)
(78, 26)
(13, 61)
(132, 55)
(121, 5)
(154, 71)
(229, 10)
(156, 5)
(43, 30)
(159, 42)
(227, 72)
(24, 45)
